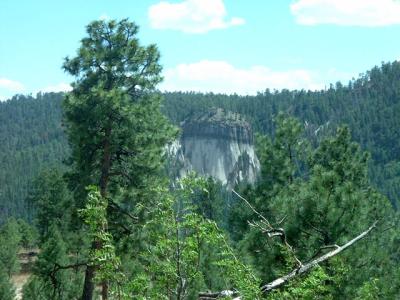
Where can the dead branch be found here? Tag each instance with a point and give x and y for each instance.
(223, 294)
(264, 220)
(266, 288)
(324, 248)
(308, 266)
(265, 226)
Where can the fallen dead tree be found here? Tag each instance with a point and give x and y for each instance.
(266, 227)
(266, 288)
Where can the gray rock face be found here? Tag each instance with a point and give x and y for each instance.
(217, 144)
(218, 124)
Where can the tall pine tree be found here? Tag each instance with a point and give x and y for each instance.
(114, 124)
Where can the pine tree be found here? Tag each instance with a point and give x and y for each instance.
(52, 202)
(10, 239)
(33, 289)
(114, 124)
(29, 234)
(54, 281)
(7, 291)
(319, 197)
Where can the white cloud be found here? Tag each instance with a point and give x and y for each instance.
(8, 88)
(370, 13)
(11, 85)
(61, 87)
(191, 16)
(104, 17)
(222, 77)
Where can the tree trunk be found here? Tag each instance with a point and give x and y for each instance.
(105, 173)
(104, 290)
(88, 287)
(106, 164)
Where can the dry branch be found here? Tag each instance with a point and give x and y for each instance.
(266, 288)
(300, 269)
(306, 267)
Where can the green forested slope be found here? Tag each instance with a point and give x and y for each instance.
(370, 106)
(31, 138)
(31, 135)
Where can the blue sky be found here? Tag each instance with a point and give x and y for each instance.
(207, 45)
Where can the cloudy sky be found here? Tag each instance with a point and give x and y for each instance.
(231, 46)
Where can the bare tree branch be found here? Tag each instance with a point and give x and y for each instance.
(270, 230)
(223, 294)
(266, 288)
(308, 266)
(254, 210)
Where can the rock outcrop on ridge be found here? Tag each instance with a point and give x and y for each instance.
(218, 144)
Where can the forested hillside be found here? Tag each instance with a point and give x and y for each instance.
(31, 139)
(110, 223)
(32, 136)
(369, 105)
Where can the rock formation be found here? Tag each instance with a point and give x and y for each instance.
(217, 144)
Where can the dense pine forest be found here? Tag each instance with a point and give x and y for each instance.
(83, 185)
(33, 137)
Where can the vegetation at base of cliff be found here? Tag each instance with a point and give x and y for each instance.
(108, 224)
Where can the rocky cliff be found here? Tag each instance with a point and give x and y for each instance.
(217, 144)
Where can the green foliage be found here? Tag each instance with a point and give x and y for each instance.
(31, 139)
(54, 276)
(151, 243)
(7, 291)
(189, 253)
(113, 118)
(10, 240)
(117, 133)
(281, 159)
(29, 234)
(33, 136)
(95, 216)
(33, 289)
(321, 197)
(369, 291)
(204, 196)
(52, 202)
(319, 283)
(53, 280)
(194, 196)
(314, 285)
